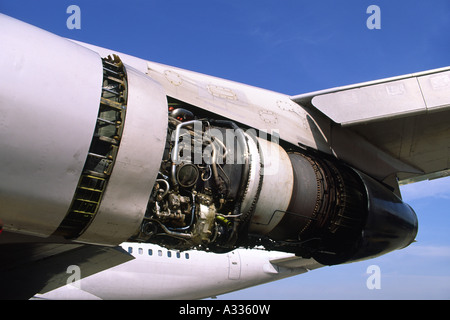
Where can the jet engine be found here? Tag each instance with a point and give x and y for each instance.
(222, 186)
(95, 151)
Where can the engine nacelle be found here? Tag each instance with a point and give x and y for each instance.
(81, 138)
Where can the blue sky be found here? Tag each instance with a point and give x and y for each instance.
(291, 46)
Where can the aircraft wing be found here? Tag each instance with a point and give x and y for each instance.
(408, 117)
(28, 268)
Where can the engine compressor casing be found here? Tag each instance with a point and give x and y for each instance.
(338, 214)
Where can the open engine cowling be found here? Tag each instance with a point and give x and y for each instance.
(221, 186)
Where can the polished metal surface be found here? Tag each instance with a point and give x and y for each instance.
(48, 110)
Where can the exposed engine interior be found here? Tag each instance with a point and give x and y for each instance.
(222, 185)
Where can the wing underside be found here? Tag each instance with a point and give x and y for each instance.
(27, 268)
(408, 117)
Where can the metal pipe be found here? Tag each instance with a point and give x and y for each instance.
(175, 149)
(186, 236)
